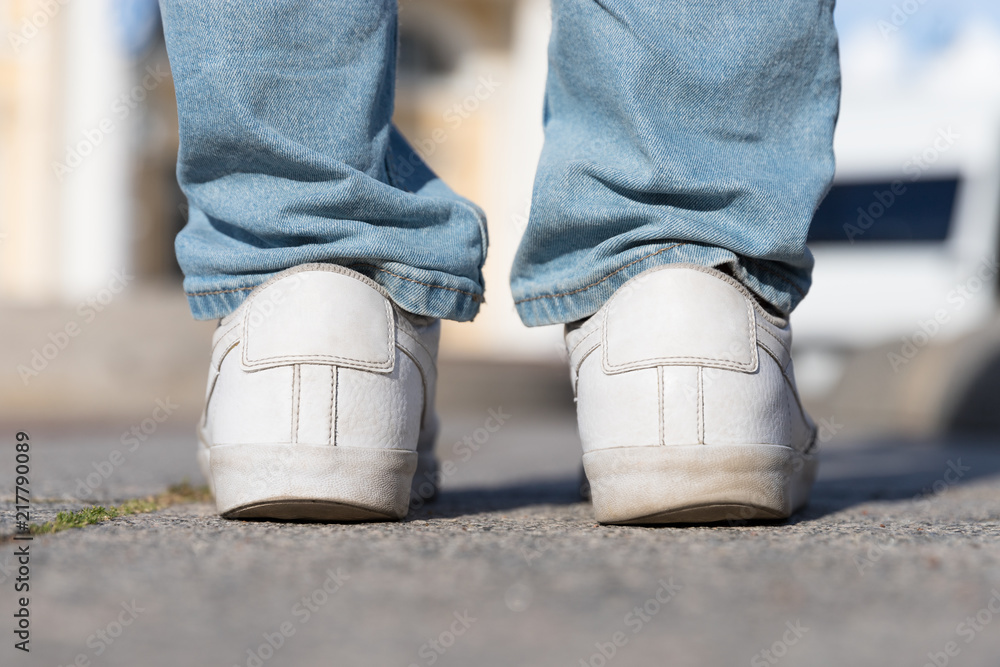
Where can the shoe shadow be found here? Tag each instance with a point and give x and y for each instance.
(897, 471)
(464, 502)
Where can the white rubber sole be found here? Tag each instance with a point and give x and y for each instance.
(308, 482)
(698, 483)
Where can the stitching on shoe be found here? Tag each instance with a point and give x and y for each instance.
(336, 413)
(416, 340)
(701, 406)
(333, 403)
(775, 339)
(297, 393)
(598, 282)
(270, 362)
(659, 398)
(712, 271)
(795, 394)
(576, 371)
(225, 330)
(680, 361)
(677, 361)
(583, 339)
(423, 381)
(208, 396)
(430, 358)
(773, 355)
(218, 367)
(791, 387)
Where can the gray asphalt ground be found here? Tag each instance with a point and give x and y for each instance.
(895, 562)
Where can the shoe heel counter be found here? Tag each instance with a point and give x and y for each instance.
(376, 410)
(745, 408)
(616, 410)
(679, 316)
(250, 407)
(679, 363)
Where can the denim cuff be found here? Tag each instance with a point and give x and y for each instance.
(776, 284)
(420, 292)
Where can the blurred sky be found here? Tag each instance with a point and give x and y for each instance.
(929, 27)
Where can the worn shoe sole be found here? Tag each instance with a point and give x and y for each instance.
(698, 483)
(309, 482)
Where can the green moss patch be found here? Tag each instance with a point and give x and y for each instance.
(174, 495)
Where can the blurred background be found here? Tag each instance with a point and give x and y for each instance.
(899, 338)
(897, 353)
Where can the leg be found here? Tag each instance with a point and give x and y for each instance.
(288, 156)
(687, 147)
(328, 249)
(679, 132)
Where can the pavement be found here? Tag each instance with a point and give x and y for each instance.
(895, 562)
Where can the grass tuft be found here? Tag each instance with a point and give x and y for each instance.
(174, 495)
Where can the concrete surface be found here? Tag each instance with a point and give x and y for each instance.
(508, 567)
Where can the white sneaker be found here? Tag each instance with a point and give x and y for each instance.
(318, 393)
(687, 404)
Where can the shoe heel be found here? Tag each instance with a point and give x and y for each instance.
(311, 482)
(698, 483)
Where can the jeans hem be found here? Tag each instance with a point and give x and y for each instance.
(416, 294)
(770, 284)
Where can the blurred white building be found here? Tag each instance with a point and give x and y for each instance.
(79, 112)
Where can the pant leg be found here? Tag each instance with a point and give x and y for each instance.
(692, 131)
(288, 156)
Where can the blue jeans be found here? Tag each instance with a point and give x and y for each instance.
(691, 131)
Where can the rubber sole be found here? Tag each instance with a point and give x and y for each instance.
(305, 510)
(309, 482)
(698, 483)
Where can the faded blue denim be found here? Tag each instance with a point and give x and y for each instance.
(690, 131)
